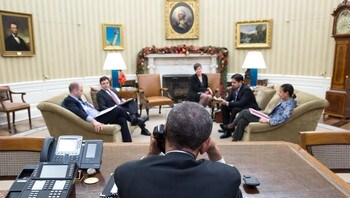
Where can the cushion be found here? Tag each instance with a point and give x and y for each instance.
(93, 94)
(264, 96)
(273, 102)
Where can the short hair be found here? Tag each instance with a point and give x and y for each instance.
(14, 23)
(103, 78)
(73, 86)
(195, 66)
(188, 125)
(237, 77)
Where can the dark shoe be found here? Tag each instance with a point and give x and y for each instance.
(225, 135)
(224, 127)
(234, 140)
(145, 132)
(221, 131)
(142, 120)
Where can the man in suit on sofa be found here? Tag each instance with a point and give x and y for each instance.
(178, 173)
(87, 112)
(241, 97)
(108, 97)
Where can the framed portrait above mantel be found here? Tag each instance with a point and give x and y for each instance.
(253, 34)
(112, 37)
(16, 34)
(181, 19)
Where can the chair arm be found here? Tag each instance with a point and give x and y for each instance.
(142, 96)
(165, 92)
(22, 95)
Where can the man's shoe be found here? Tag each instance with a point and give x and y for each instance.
(225, 135)
(224, 127)
(145, 132)
(221, 131)
(142, 120)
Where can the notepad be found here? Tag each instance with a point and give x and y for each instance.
(258, 113)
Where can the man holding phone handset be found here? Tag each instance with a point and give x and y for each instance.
(178, 173)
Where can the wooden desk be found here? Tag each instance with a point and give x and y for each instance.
(284, 169)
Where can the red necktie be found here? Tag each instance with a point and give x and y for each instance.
(113, 96)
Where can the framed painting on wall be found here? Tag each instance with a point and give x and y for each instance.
(112, 37)
(181, 19)
(16, 34)
(253, 34)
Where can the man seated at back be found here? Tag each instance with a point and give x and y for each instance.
(108, 97)
(87, 112)
(178, 173)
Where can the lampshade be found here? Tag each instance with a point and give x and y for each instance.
(254, 60)
(114, 61)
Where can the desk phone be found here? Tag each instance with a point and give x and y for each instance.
(51, 180)
(72, 149)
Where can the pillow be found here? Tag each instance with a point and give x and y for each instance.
(273, 102)
(93, 93)
(264, 96)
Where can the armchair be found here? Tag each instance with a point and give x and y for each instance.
(151, 93)
(8, 105)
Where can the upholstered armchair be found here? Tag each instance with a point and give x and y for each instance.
(151, 93)
(214, 84)
(8, 105)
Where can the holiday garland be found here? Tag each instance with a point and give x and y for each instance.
(221, 52)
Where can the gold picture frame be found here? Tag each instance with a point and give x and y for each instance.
(253, 34)
(181, 19)
(16, 34)
(112, 36)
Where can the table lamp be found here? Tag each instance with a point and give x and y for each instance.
(254, 61)
(114, 62)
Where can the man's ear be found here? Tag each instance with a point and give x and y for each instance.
(205, 146)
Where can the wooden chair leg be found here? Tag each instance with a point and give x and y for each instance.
(160, 109)
(8, 120)
(147, 110)
(140, 109)
(30, 119)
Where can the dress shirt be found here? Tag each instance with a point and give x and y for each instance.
(88, 108)
(282, 111)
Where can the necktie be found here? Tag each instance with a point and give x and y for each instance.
(113, 96)
(236, 94)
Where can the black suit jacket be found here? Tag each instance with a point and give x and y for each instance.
(245, 98)
(74, 106)
(12, 45)
(196, 87)
(177, 175)
(105, 100)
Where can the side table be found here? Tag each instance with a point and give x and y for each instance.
(128, 93)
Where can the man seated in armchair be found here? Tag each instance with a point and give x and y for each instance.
(87, 112)
(108, 97)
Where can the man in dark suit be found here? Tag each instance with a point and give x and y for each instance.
(241, 97)
(178, 174)
(108, 97)
(14, 42)
(87, 112)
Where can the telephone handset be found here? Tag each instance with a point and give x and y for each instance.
(72, 149)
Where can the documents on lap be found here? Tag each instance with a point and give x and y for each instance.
(126, 101)
(106, 110)
(258, 113)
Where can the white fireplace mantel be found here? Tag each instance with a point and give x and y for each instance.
(180, 63)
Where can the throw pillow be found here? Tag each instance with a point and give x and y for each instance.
(93, 94)
(264, 96)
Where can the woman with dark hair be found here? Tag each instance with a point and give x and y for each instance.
(279, 114)
(199, 90)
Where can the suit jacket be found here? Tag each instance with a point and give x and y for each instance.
(245, 98)
(196, 87)
(105, 100)
(12, 45)
(74, 106)
(177, 175)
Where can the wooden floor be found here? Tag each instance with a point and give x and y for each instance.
(23, 126)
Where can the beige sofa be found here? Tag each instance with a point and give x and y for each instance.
(61, 121)
(304, 118)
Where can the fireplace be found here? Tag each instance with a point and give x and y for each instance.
(178, 85)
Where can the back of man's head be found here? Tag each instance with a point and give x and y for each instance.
(188, 126)
(73, 86)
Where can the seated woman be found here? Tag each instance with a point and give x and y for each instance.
(280, 113)
(199, 90)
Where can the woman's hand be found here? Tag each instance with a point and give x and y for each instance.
(264, 120)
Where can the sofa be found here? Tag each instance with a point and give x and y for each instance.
(304, 117)
(61, 121)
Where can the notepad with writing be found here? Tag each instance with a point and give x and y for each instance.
(258, 113)
(110, 190)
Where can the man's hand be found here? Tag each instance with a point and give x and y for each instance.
(213, 151)
(224, 102)
(123, 99)
(153, 147)
(98, 126)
